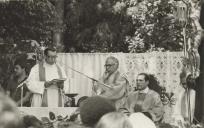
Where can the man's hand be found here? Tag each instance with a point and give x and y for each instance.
(138, 108)
(49, 83)
(99, 91)
(59, 84)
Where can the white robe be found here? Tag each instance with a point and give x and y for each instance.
(181, 110)
(37, 87)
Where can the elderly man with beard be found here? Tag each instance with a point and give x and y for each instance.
(113, 78)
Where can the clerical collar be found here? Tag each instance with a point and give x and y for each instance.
(146, 90)
(49, 65)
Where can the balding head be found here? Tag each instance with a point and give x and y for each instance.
(111, 64)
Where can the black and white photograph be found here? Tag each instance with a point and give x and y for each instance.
(101, 64)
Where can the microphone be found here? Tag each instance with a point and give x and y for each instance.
(21, 84)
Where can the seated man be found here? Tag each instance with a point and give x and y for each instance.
(20, 94)
(113, 78)
(145, 100)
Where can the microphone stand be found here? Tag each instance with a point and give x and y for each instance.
(21, 87)
(94, 80)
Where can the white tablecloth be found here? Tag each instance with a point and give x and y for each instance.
(44, 111)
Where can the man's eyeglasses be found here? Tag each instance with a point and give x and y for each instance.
(108, 65)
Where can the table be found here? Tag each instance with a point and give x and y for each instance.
(44, 111)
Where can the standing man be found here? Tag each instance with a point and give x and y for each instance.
(20, 94)
(145, 100)
(47, 81)
(118, 84)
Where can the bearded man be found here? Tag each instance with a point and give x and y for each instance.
(118, 84)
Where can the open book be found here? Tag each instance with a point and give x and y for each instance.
(59, 80)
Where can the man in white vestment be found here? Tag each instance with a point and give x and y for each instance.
(186, 94)
(47, 91)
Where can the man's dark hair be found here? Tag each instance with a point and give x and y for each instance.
(49, 49)
(153, 82)
(146, 76)
(81, 99)
(93, 108)
(21, 63)
(32, 121)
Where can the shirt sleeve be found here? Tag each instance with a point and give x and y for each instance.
(157, 109)
(33, 82)
(67, 82)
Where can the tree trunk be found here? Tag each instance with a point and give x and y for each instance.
(58, 34)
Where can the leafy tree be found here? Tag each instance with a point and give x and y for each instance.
(97, 26)
(26, 20)
(92, 25)
(156, 27)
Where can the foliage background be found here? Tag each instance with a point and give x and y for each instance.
(93, 25)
